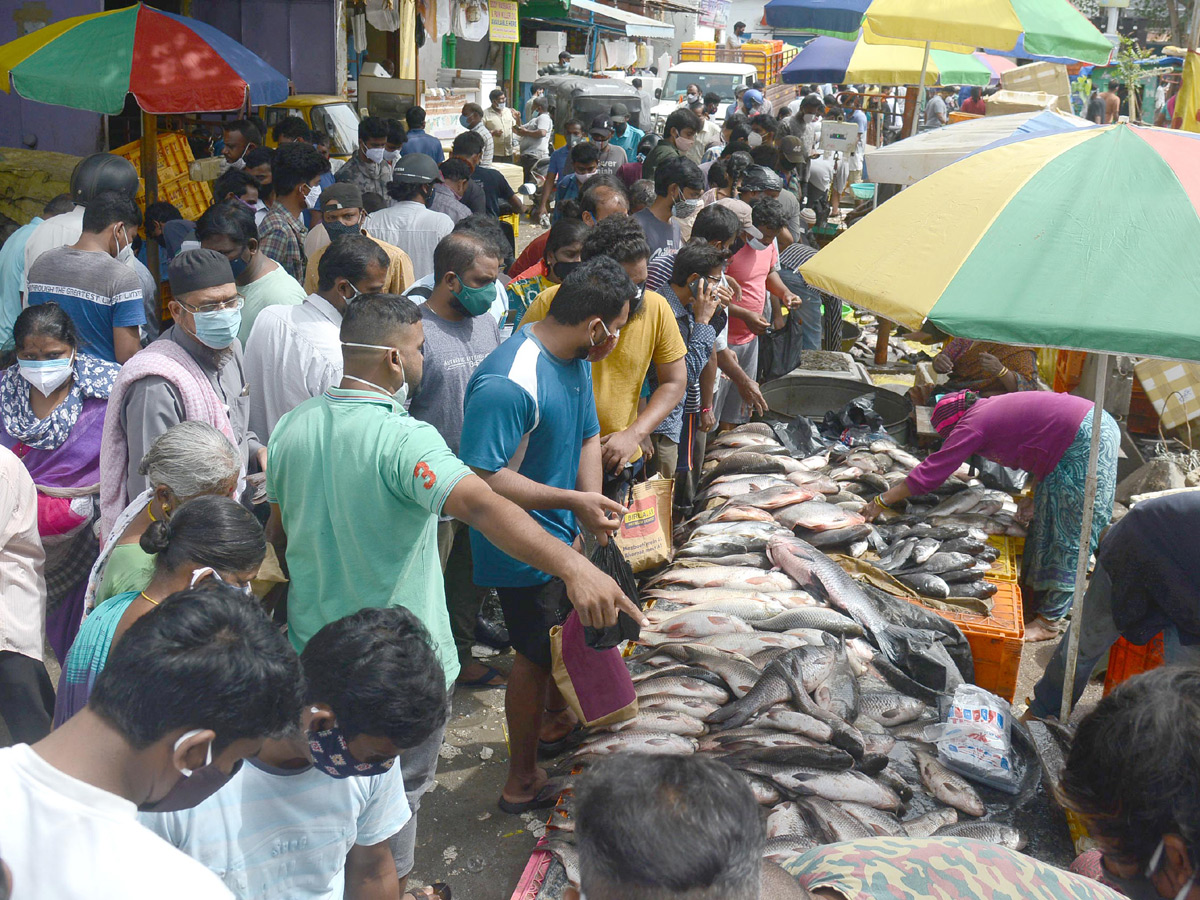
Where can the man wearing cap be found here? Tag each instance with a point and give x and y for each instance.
(759, 182)
(193, 372)
(611, 157)
(342, 208)
(408, 223)
(624, 134)
(229, 229)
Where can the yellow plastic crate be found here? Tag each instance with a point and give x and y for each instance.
(1007, 567)
(191, 198)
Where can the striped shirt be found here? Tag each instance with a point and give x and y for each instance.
(96, 291)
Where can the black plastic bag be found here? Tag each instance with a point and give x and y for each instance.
(611, 561)
(779, 351)
(799, 436)
(998, 477)
(857, 423)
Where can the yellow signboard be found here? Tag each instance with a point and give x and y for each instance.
(504, 21)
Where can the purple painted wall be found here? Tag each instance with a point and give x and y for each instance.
(294, 36)
(50, 127)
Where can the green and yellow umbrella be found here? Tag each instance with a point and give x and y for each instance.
(1083, 239)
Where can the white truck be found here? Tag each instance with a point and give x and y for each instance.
(731, 69)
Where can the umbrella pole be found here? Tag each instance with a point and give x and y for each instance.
(921, 90)
(1085, 542)
(150, 178)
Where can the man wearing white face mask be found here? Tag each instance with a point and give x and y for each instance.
(296, 174)
(192, 688)
(194, 371)
(91, 280)
(369, 167)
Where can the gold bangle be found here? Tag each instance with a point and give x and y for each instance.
(1004, 370)
(882, 505)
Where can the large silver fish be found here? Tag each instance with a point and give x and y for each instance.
(948, 787)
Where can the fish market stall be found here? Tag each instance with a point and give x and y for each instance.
(811, 651)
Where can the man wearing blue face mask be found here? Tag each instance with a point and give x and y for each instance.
(92, 281)
(310, 815)
(194, 371)
(229, 229)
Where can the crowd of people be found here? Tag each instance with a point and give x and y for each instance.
(259, 539)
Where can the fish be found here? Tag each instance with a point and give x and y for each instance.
(765, 793)
(949, 788)
(739, 513)
(976, 590)
(924, 549)
(750, 462)
(690, 706)
(898, 555)
(817, 515)
(664, 723)
(720, 546)
(875, 744)
(767, 448)
(735, 671)
(567, 854)
(876, 821)
(891, 707)
(972, 573)
(838, 537)
(697, 623)
(642, 742)
(803, 561)
(843, 686)
(832, 820)
(814, 481)
(811, 617)
(748, 609)
(924, 583)
(752, 428)
(746, 530)
(818, 756)
(786, 818)
(682, 687)
(783, 847)
(790, 721)
(989, 832)
(739, 487)
(928, 824)
(943, 562)
(770, 689)
(789, 599)
(749, 644)
(777, 497)
(964, 545)
(894, 781)
(802, 782)
(729, 578)
(742, 439)
(734, 560)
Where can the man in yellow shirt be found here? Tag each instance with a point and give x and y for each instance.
(650, 336)
(344, 213)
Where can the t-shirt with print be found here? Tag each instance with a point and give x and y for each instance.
(750, 268)
(283, 834)
(650, 338)
(360, 484)
(538, 146)
(530, 411)
(452, 352)
(96, 291)
(663, 237)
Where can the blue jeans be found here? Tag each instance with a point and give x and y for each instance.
(1097, 635)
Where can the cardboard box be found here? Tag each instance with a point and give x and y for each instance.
(1004, 103)
(1172, 388)
(1049, 78)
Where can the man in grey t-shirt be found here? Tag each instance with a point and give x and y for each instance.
(459, 334)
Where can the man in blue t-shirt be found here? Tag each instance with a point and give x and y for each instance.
(417, 140)
(530, 430)
(92, 281)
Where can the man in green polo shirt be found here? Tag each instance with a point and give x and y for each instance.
(356, 486)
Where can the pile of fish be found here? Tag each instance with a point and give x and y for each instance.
(938, 548)
(764, 653)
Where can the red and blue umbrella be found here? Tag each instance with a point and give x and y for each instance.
(171, 64)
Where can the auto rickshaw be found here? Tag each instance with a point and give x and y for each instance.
(576, 97)
(322, 112)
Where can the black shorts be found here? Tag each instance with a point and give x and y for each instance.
(530, 613)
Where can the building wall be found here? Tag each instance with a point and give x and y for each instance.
(39, 126)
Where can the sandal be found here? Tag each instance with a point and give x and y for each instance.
(546, 798)
(486, 680)
(439, 890)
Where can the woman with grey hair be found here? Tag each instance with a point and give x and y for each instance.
(189, 460)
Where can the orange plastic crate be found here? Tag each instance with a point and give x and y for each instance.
(996, 640)
(1068, 370)
(1126, 660)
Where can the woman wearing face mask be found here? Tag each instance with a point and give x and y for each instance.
(561, 258)
(1133, 775)
(189, 460)
(210, 537)
(52, 407)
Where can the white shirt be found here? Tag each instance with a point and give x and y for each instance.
(414, 229)
(65, 839)
(293, 354)
(283, 834)
(22, 587)
(489, 145)
(538, 146)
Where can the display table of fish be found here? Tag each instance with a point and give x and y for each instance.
(763, 652)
